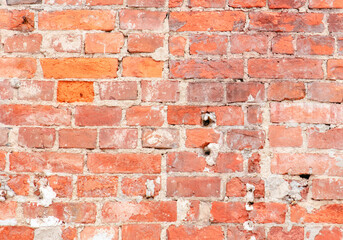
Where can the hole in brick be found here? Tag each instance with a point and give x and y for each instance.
(208, 119)
(81, 95)
(207, 151)
(239, 80)
(305, 176)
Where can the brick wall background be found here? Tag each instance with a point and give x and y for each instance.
(157, 119)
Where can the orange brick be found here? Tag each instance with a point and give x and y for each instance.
(17, 67)
(97, 186)
(75, 91)
(143, 67)
(144, 42)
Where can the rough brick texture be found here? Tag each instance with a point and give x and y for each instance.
(171, 119)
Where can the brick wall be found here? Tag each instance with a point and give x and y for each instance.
(157, 119)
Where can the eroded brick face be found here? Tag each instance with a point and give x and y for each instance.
(171, 120)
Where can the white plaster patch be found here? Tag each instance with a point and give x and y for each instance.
(47, 194)
(150, 188)
(44, 222)
(8, 222)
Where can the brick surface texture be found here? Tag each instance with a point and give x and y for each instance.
(171, 119)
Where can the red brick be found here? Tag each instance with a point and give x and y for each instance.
(77, 19)
(141, 19)
(91, 232)
(185, 162)
(124, 163)
(325, 4)
(175, 3)
(306, 163)
(161, 138)
(70, 43)
(247, 3)
(315, 45)
(327, 189)
(332, 233)
(67, 212)
(187, 115)
(8, 210)
(285, 68)
(228, 115)
(276, 233)
(104, 42)
(143, 67)
(118, 90)
(97, 116)
(239, 233)
(286, 22)
(236, 187)
(193, 232)
(138, 212)
(6, 91)
(160, 91)
(210, 69)
(77, 138)
(17, 67)
(2, 160)
(4, 133)
(286, 3)
(19, 20)
(23, 43)
(200, 137)
(34, 115)
(306, 113)
(325, 92)
(144, 116)
(36, 137)
(193, 187)
(268, 212)
(46, 161)
(208, 45)
(207, 3)
(286, 90)
(283, 136)
(249, 43)
(70, 91)
(62, 186)
(144, 42)
(245, 91)
(229, 163)
(329, 139)
(335, 22)
(141, 231)
(220, 21)
(241, 139)
(79, 67)
(254, 114)
(118, 138)
(331, 213)
(104, 2)
(36, 90)
(20, 184)
(97, 186)
(228, 212)
(177, 45)
(137, 186)
(17, 232)
(334, 69)
(205, 92)
(283, 44)
(146, 3)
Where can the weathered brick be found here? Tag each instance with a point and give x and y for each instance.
(146, 3)
(118, 90)
(208, 45)
(315, 45)
(325, 4)
(285, 68)
(138, 186)
(187, 115)
(144, 42)
(207, 3)
(282, 136)
(192, 232)
(138, 212)
(17, 67)
(249, 43)
(330, 213)
(228, 212)
(23, 43)
(97, 186)
(91, 232)
(325, 92)
(327, 189)
(334, 69)
(118, 138)
(18, 20)
(200, 137)
(141, 19)
(236, 187)
(207, 21)
(210, 69)
(36, 90)
(286, 90)
(205, 92)
(36, 137)
(245, 91)
(283, 44)
(17, 232)
(185, 162)
(193, 187)
(104, 42)
(295, 233)
(161, 138)
(335, 22)
(141, 231)
(177, 45)
(245, 139)
(247, 3)
(144, 116)
(329, 139)
(97, 116)
(160, 91)
(286, 3)
(229, 163)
